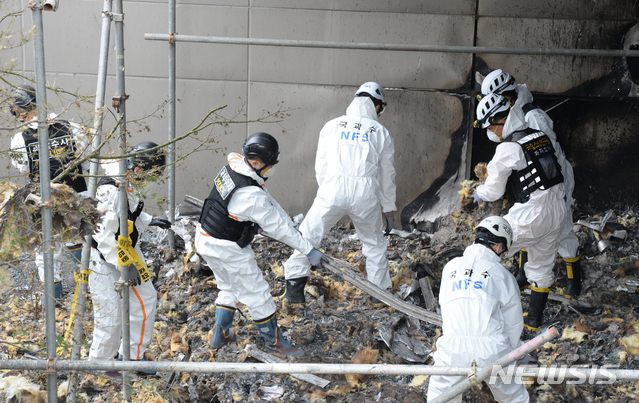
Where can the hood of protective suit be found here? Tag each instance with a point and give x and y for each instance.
(515, 121)
(239, 165)
(523, 95)
(516, 117)
(362, 106)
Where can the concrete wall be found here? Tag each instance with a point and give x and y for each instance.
(430, 95)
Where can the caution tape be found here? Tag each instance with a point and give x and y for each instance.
(128, 256)
(81, 277)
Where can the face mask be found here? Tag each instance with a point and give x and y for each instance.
(269, 172)
(492, 136)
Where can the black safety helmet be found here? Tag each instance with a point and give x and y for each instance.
(263, 146)
(24, 97)
(146, 161)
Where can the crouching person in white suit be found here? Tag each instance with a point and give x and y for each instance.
(481, 312)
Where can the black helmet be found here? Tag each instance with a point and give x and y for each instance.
(263, 146)
(23, 96)
(146, 161)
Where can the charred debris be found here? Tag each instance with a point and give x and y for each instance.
(340, 325)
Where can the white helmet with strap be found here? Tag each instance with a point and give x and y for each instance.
(373, 91)
(497, 82)
(488, 107)
(498, 228)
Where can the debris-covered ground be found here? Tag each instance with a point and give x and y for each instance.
(339, 324)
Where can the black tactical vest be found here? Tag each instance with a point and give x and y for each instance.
(542, 171)
(529, 107)
(62, 152)
(215, 219)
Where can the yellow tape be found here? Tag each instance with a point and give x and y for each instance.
(82, 277)
(127, 256)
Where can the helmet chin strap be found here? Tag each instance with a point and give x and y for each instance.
(257, 171)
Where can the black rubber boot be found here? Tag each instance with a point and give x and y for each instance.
(535, 314)
(294, 292)
(222, 332)
(274, 340)
(522, 281)
(377, 303)
(573, 272)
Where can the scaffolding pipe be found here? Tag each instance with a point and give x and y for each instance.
(172, 115)
(123, 284)
(503, 361)
(394, 47)
(315, 368)
(98, 119)
(45, 193)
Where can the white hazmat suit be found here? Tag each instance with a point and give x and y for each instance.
(355, 174)
(538, 119)
(537, 224)
(482, 320)
(104, 273)
(239, 279)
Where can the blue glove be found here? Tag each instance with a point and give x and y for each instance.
(315, 257)
(160, 222)
(476, 198)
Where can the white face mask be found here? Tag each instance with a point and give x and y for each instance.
(492, 136)
(266, 174)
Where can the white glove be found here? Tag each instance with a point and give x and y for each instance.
(476, 198)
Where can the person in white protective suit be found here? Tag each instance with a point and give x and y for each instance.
(481, 312)
(105, 264)
(237, 208)
(526, 167)
(67, 142)
(355, 174)
(502, 83)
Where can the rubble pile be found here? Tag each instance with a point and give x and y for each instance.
(73, 217)
(340, 325)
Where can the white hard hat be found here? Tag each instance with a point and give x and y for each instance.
(374, 90)
(499, 228)
(497, 82)
(488, 107)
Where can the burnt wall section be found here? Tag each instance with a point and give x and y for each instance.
(603, 146)
(440, 197)
(554, 74)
